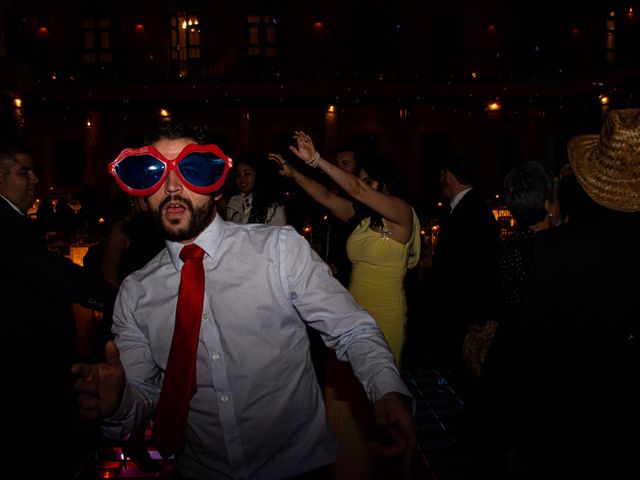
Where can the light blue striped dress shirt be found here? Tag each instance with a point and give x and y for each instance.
(258, 411)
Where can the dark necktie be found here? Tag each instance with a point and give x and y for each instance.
(170, 421)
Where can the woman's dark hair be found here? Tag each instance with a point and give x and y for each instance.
(266, 191)
(381, 169)
(526, 189)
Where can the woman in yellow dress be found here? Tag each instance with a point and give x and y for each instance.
(384, 243)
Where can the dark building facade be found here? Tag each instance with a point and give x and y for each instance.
(408, 78)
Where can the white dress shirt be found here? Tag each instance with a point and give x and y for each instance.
(258, 411)
(456, 200)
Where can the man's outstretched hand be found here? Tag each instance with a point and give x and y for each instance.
(392, 414)
(99, 387)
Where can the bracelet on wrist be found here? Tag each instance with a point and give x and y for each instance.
(314, 160)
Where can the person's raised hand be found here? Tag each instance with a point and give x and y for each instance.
(286, 170)
(305, 149)
(99, 387)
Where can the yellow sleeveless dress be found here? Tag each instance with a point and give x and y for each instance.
(377, 284)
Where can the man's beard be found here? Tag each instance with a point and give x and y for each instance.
(200, 218)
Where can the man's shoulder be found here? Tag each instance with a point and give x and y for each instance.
(233, 229)
(259, 237)
(151, 269)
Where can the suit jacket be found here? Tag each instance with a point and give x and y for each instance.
(581, 327)
(38, 328)
(464, 276)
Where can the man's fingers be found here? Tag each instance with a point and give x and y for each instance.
(379, 449)
(88, 413)
(81, 369)
(86, 386)
(112, 354)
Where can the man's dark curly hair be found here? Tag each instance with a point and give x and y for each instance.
(174, 131)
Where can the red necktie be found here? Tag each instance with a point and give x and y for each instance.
(170, 421)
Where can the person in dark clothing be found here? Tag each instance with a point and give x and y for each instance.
(38, 288)
(581, 322)
(464, 269)
(464, 288)
(132, 240)
(530, 196)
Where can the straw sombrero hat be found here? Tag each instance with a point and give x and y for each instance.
(608, 165)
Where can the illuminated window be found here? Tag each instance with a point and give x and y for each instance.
(185, 41)
(610, 37)
(262, 35)
(97, 40)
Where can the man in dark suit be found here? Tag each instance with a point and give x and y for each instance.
(464, 268)
(581, 320)
(38, 288)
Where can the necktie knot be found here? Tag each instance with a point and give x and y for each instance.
(191, 252)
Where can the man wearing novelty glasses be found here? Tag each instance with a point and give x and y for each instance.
(253, 408)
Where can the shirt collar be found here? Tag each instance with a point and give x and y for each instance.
(208, 240)
(12, 205)
(456, 200)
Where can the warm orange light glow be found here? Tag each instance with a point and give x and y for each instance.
(439, 204)
(17, 102)
(139, 27)
(325, 218)
(164, 112)
(101, 220)
(88, 123)
(318, 25)
(43, 31)
(331, 109)
(306, 229)
(76, 254)
(474, 74)
(494, 106)
(604, 100)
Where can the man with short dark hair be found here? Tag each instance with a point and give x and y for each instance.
(464, 268)
(38, 288)
(249, 405)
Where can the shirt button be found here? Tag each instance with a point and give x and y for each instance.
(224, 397)
(215, 356)
(205, 316)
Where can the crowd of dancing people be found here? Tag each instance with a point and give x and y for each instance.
(258, 313)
